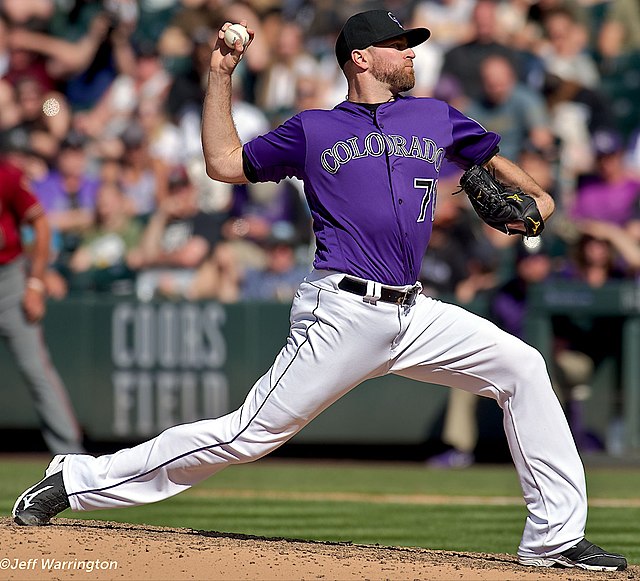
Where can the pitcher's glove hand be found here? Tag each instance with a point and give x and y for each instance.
(500, 205)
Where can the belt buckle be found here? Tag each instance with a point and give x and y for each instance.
(409, 296)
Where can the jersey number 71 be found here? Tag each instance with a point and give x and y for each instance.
(429, 185)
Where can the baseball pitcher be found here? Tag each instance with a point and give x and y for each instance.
(370, 168)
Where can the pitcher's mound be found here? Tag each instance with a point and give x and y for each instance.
(79, 549)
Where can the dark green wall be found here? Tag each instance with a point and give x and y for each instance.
(133, 369)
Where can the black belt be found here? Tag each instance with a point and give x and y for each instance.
(387, 294)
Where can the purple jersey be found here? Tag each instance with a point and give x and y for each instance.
(53, 195)
(370, 178)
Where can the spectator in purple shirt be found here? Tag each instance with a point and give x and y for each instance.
(68, 194)
(612, 194)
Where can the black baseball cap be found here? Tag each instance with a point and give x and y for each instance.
(367, 28)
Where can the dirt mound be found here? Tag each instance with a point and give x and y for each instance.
(77, 549)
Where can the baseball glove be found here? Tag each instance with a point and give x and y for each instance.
(500, 205)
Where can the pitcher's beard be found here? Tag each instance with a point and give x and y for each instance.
(399, 79)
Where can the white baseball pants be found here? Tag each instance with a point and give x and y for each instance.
(337, 341)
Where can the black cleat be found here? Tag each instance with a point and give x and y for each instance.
(36, 505)
(584, 555)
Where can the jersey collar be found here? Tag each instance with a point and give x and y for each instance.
(359, 107)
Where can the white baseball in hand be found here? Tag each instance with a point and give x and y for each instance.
(236, 32)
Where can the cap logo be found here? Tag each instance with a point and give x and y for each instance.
(390, 15)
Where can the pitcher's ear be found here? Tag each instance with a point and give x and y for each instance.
(360, 58)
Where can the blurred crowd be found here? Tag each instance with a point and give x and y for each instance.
(100, 104)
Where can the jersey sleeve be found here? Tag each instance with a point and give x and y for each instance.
(276, 155)
(471, 143)
(24, 203)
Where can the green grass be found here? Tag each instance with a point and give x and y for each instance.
(350, 502)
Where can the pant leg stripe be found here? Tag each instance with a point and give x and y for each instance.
(219, 444)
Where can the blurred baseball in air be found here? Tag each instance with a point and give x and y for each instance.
(51, 107)
(236, 32)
